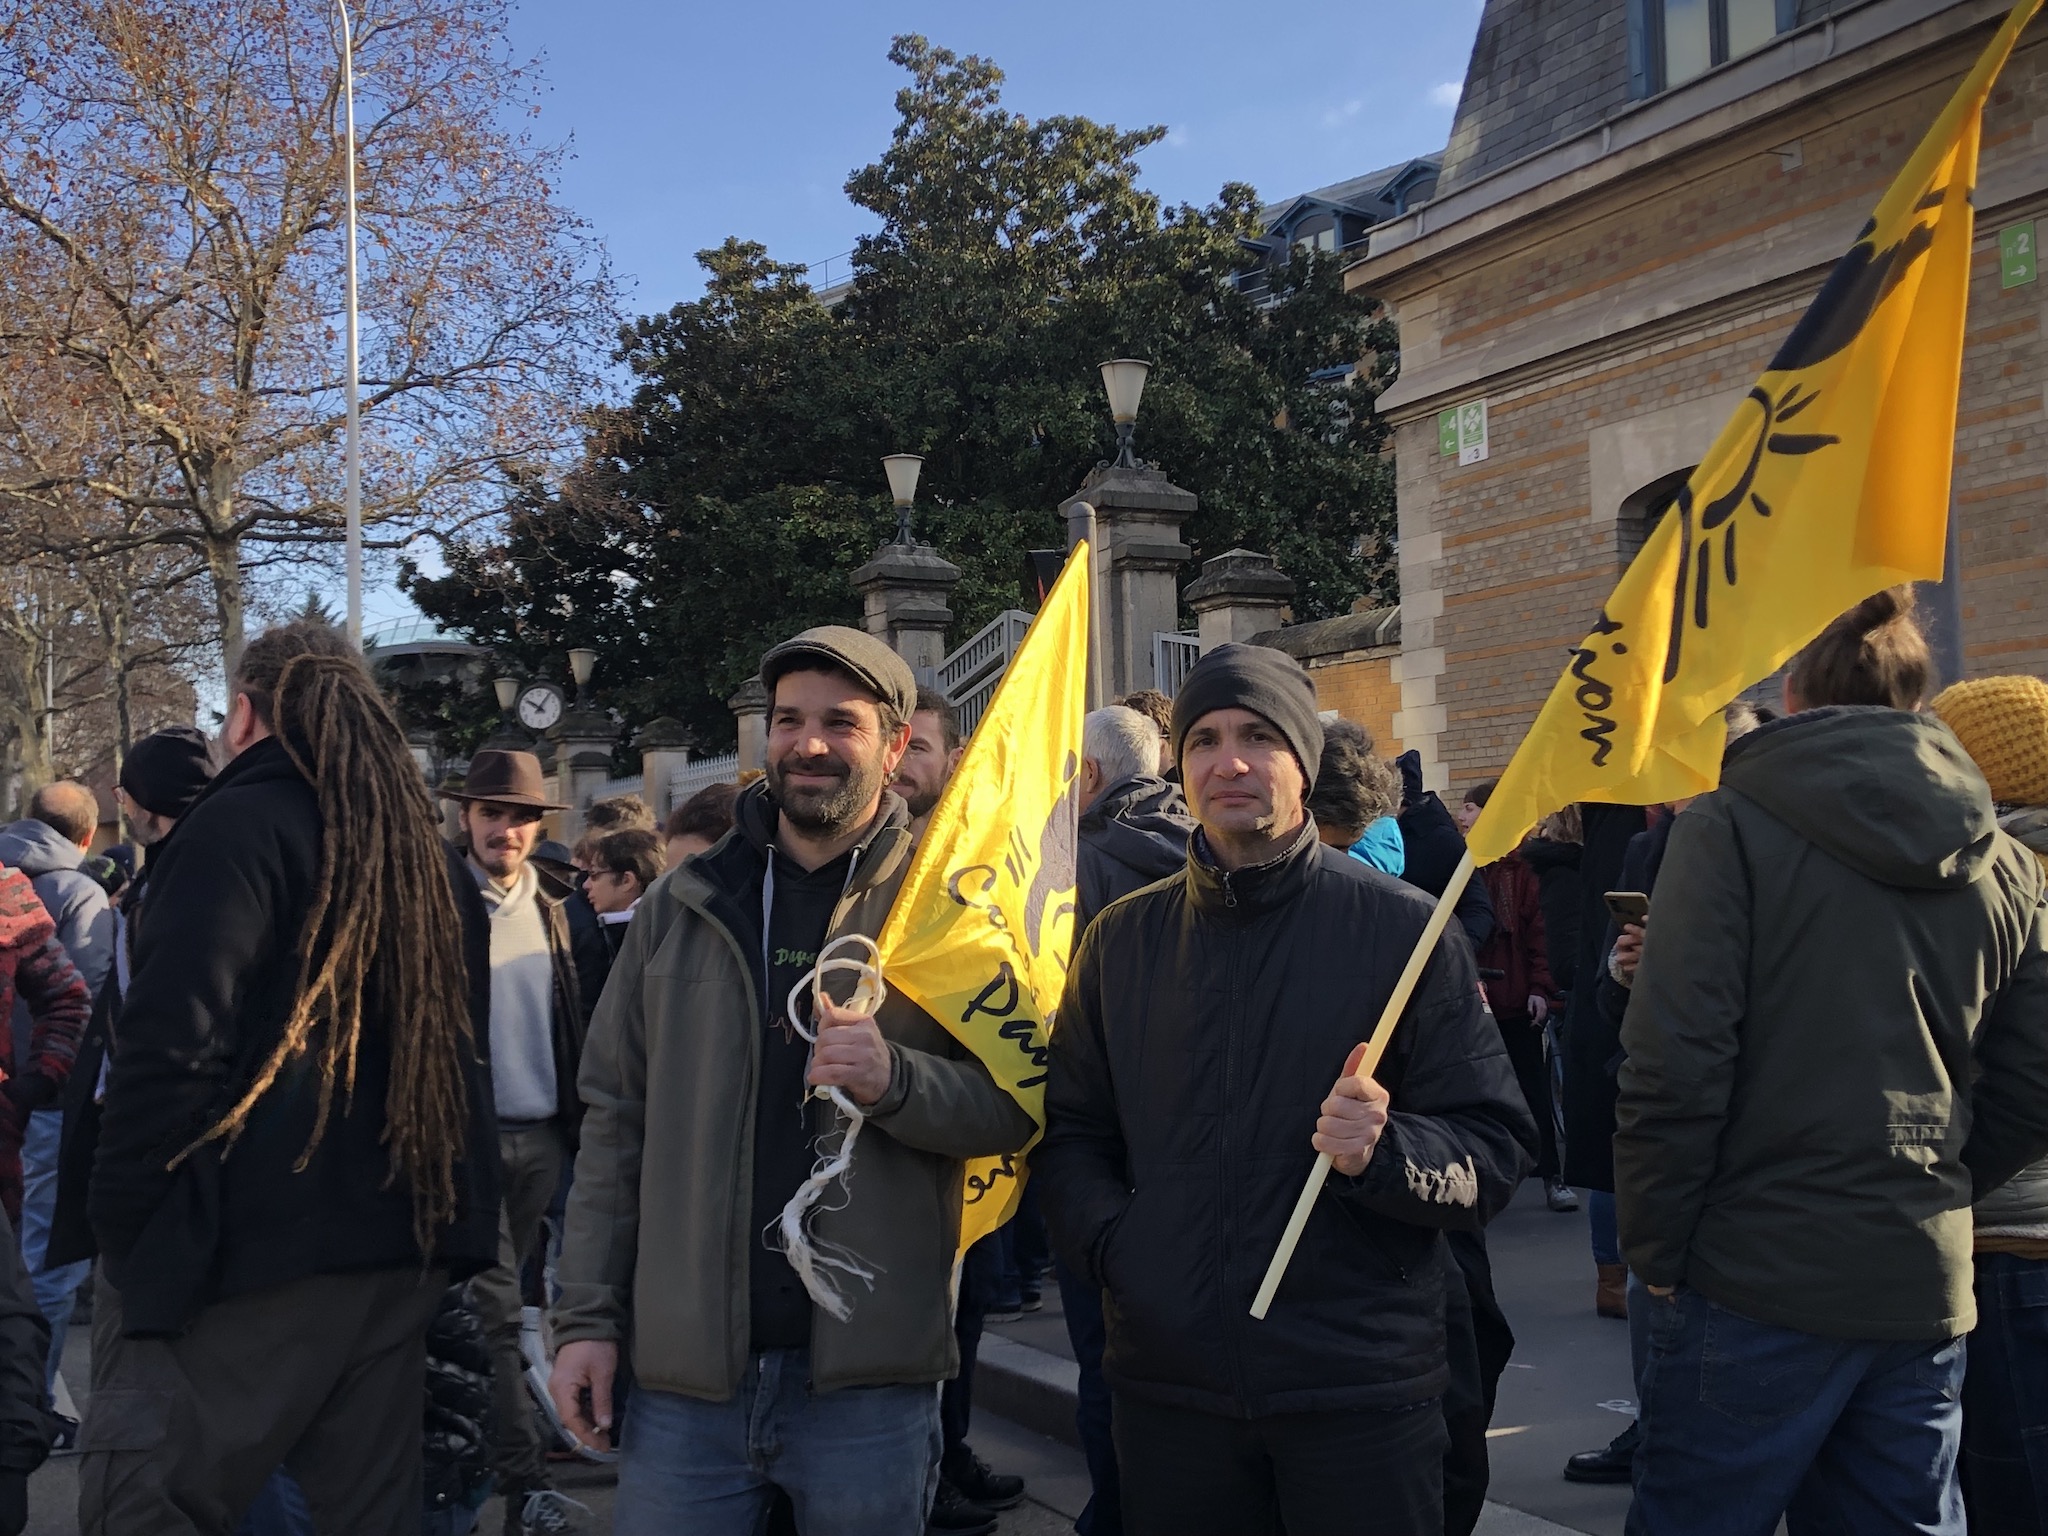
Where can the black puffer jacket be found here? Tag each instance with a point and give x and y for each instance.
(215, 971)
(1134, 833)
(1204, 1022)
(457, 1444)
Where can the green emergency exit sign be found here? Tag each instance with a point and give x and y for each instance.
(2016, 255)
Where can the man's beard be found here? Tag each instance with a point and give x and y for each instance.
(922, 801)
(832, 811)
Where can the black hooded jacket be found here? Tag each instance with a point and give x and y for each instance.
(1592, 1040)
(216, 966)
(1433, 845)
(1557, 869)
(1204, 1022)
(1134, 833)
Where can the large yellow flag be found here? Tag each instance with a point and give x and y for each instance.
(1830, 482)
(981, 929)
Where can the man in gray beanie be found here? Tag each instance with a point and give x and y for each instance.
(1205, 1052)
(702, 1123)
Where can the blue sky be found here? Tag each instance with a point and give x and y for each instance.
(691, 122)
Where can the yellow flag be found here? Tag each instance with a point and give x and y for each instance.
(981, 929)
(1830, 483)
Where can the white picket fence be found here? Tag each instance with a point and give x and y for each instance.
(1173, 658)
(685, 781)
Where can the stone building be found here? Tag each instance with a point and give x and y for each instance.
(1638, 200)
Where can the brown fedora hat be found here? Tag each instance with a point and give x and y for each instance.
(505, 778)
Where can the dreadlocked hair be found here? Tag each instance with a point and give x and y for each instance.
(382, 934)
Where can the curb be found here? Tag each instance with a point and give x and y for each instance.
(1030, 1387)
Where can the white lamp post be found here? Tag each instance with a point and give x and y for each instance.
(1124, 380)
(352, 495)
(903, 469)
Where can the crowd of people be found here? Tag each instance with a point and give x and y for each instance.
(391, 1163)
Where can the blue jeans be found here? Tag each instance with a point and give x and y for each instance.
(861, 1461)
(1082, 1304)
(1743, 1422)
(1601, 1227)
(56, 1290)
(2005, 1399)
(280, 1509)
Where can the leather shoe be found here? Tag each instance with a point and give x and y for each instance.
(1610, 1464)
(953, 1514)
(978, 1483)
(1610, 1293)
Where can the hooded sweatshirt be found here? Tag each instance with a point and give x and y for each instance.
(1838, 1035)
(1134, 833)
(76, 902)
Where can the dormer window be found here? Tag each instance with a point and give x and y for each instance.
(1318, 233)
(1678, 40)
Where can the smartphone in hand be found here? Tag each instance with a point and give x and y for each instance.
(1627, 907)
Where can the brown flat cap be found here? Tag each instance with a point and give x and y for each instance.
(504, 778)
(861, 656)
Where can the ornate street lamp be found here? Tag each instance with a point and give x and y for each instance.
(581, 664)
(902, 470)
(507, 689)
(1124, 380)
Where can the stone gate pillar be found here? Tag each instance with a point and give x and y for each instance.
(749, 706)
(906, 592)
(1138, 517)
(1239, 594)
(664, 745)
(583, 740)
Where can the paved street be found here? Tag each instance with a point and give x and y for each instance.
(1567, 1365)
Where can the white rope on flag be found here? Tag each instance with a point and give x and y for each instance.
(815, 1262)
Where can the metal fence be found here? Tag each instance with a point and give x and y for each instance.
(969, 676)
(1173, 657)
(685, 781)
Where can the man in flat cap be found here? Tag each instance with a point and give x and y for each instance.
(1205, 1022)
(701, 1125)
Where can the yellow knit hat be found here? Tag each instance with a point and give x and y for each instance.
(2002, 723)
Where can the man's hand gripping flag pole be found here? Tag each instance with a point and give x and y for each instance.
(1832, 478)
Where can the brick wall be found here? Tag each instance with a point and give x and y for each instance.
(1505, 562)
(1360, 686)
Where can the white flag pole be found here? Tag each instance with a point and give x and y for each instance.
(1375, 1048)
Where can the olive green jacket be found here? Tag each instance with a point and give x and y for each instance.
(659, 1232)
(1838, 1036)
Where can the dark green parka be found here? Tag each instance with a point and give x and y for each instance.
(1839, 1033)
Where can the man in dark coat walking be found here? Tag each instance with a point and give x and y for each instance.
(297, 1152)
(1134, 831)
(1204, 1019)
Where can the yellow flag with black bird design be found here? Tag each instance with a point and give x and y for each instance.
(1830, 482)
(981, 930)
